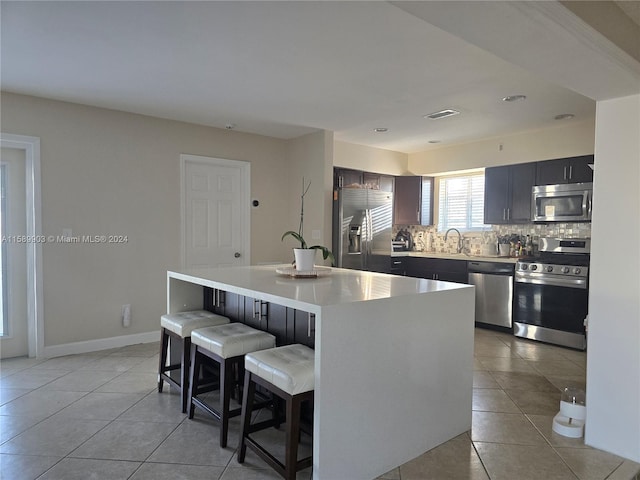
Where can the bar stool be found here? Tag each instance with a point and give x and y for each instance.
(179, 326)
(227, 345)
(288, 372)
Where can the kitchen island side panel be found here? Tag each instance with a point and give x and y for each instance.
(183, 296)
(394, 379)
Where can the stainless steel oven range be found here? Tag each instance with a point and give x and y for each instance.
(551, 293)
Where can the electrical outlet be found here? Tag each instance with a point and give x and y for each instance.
(126, 315)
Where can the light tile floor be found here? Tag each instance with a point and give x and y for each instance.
(99, 416)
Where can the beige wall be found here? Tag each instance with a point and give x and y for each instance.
(109, 172)
(311, 157)
(576, 138)
(369, 159)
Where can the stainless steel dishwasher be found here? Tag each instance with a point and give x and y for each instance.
(494, 292)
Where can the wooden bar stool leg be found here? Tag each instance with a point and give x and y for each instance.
(277, 409)
(245, 418)
(162, 362)
(195, 377)
(226, 382)
(293, 434)
(184, 371)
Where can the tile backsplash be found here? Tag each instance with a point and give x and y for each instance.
(472, 241)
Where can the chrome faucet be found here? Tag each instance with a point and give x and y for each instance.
(459, 238)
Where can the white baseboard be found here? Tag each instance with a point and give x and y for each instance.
(100, 344)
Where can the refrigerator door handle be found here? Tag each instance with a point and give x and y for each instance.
(369, 234)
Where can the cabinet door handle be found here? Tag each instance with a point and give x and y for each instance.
(259, 311)
(418, 215)
(219, 298)
(508, 214)
(564, 175)
(504, 213)
(310, 316)
(570, 172)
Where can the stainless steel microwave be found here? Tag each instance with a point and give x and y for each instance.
(569, 202)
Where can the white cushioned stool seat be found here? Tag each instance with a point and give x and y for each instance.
(232, 340)
(179, 327)
(184, 323)
(290, 368)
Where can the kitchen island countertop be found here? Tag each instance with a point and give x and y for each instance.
(393, 358)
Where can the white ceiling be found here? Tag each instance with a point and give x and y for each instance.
(277, 68)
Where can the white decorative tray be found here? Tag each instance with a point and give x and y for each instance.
(291, 271)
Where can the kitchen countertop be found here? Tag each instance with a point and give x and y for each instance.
(456, 256)
(339, 286)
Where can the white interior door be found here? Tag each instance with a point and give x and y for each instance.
(215, 212)
(13, 254)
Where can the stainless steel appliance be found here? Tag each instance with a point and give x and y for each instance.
(551, 293)
(403, 241)
(362, 221)
(494, 292)
(569, 202)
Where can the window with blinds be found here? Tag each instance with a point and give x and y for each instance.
(461, 202)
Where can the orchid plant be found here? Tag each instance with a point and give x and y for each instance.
(326, 253)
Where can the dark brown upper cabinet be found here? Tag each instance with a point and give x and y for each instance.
(507, 193)
(565, 170)
(413, 201)
(343, 177)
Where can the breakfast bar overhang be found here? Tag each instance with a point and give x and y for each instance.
(393, 358)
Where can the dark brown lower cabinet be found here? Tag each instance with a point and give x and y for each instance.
(288, 325)
(447, 270)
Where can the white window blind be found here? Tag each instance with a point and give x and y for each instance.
(426, 210)
(461, 202)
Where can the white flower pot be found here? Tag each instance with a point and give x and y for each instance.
(305, 258)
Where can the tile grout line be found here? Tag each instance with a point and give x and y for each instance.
(484, 467)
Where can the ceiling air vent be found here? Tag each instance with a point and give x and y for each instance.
(442, 113)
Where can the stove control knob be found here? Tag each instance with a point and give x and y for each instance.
(524, 266)
(549, 268)
(565, 269)
(534, 267)
(577, 271)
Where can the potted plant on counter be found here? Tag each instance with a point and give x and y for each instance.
(305, 255)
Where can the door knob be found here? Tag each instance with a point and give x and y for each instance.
(237, 254)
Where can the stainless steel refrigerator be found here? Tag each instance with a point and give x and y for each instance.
(362, 221)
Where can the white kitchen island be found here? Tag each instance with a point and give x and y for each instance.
(393, 358)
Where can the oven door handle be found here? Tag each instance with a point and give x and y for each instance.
(541, 279)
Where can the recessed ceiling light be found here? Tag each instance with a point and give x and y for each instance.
(442, 114)
(434, 141)
(514, 98)
(564, 116)
(380, 130)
